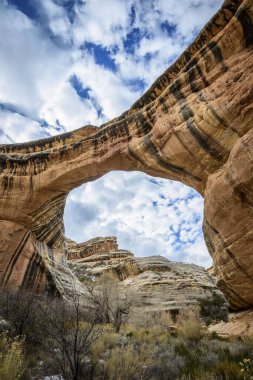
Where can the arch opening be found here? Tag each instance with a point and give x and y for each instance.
(149, 216)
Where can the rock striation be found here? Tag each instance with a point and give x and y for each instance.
(31, 264)
(91, 247)
(154, 283)
(193, 125)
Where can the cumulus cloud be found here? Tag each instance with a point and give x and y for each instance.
(105, 86)
(72, 113)
(65, 64)
(101, 22)
(15, 127)
(31, 65)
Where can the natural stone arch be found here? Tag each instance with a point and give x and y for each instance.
(193, 125)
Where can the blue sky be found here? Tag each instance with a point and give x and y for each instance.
(69, 63)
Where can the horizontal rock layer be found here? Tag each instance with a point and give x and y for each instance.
(153, 283)
(193, 125)
(90, 247)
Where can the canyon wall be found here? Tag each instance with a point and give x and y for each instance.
(153, 284)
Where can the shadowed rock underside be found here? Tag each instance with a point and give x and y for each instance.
(193, 125)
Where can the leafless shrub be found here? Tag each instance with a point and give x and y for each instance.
(21, 310)
(71, 337)
(109, 304)
(167, 364)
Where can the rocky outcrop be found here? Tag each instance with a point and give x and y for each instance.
(193, 125)
(240, 324)
(154, 283)
(91, 247)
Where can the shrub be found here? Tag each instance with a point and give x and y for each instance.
(247, 369)
(71, 337)
(12, 362)
(167, 363)
(76, 347)
(108, 303)
(21, 309)
(214, 309)
(127, 364)
(228, 370)
(189, 327)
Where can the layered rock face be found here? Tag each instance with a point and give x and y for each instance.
(91, 247)
(30, 264)
(193, 125)
(153, 283)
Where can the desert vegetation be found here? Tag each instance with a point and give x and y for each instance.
(47, 337)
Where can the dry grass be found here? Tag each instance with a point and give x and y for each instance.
(12, 361)
(151, 352)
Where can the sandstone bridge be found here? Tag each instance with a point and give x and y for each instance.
(194, 125)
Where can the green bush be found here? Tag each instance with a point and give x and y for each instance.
(213, 309)
(247, 369)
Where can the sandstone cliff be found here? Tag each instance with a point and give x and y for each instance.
(154, 283)
(193, 125)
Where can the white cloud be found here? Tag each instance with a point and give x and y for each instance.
(68, 108)
(58, 21)
(188, 15)
(31, 65)
(102, 22)
(106, 87)
(16, 127)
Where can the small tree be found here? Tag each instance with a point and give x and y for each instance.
(109, 304)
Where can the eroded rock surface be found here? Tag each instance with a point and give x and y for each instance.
(31, 264)
(91, 247)
(154, 283)
(193, 125)
(240, 324)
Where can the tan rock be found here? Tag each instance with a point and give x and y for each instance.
(154, 283)
(28, 263)
(91, 247)
(193, 125)
(240, 324)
